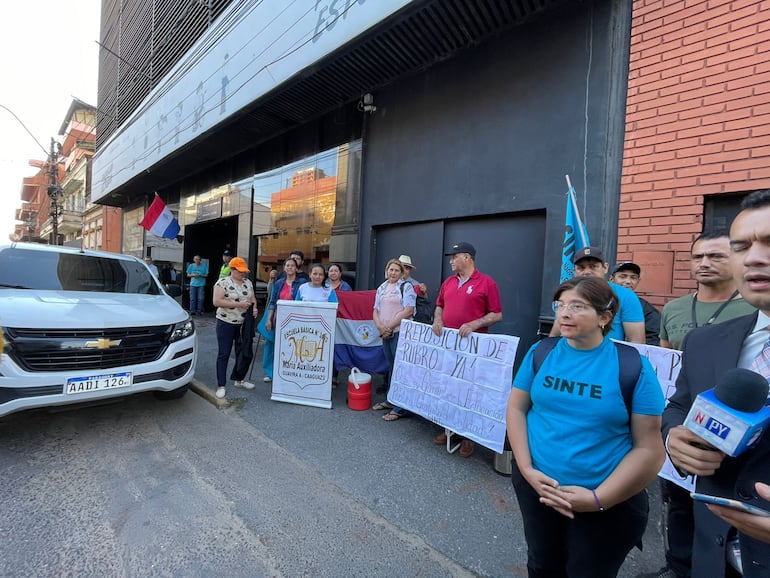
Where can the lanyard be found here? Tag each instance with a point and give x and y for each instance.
(716, 313)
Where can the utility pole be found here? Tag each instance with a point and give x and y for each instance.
(54, 190)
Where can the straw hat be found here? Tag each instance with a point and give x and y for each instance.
(406, 261)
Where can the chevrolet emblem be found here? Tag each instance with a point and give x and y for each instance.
(103, 343)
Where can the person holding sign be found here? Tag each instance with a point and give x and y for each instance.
(584, 453)
(316, 289)
(393, 302)
(468, 301)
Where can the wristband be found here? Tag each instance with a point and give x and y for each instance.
(598, 503)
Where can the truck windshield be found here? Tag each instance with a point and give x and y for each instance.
(50, 271)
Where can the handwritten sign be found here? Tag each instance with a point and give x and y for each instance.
(304, 342)
(666, 363)
(460, 383)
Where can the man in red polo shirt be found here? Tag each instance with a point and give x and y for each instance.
(467, 301)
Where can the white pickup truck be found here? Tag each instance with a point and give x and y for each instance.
(81, 326)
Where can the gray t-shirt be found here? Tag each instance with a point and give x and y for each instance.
(676, 321)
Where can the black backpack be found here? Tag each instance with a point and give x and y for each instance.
(629, 362)
(423, 308)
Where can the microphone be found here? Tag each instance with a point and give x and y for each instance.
(732, 416)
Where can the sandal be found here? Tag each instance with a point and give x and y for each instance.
(392, 416)
(379, 406)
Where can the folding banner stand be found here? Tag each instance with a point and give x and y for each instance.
(304, 353)
(449, 447)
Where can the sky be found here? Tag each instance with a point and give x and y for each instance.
(50, 55)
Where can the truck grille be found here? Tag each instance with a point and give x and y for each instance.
(78, 350)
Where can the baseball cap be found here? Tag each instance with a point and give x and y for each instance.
(588, 252)
(462, 247)
(627, 266)
(226, 252)
(239, 264)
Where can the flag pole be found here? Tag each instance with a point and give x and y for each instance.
(581, 227)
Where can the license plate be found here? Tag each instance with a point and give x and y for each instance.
(78, 385)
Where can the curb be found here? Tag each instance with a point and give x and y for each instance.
(202, 390)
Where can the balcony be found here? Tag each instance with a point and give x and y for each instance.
(70, 222)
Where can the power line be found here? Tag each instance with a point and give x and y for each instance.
(24, 126)
(119, 57)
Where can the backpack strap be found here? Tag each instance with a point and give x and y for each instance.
(629, 363)
(542, 350)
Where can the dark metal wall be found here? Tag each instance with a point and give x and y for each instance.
(493, 237)
(494, 131)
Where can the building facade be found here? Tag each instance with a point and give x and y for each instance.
(697, 130)
(357, 131)
(79, 222)
(35, 204)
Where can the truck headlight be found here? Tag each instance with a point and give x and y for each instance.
(181, 330)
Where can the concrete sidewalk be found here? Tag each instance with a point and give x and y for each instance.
(205, 383)
(461, 508)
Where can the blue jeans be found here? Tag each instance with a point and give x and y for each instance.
(227, 335)
(196, 299)
(389, 347)
(268, 356)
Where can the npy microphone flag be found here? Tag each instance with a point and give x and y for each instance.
(575, 236)
(159, 220)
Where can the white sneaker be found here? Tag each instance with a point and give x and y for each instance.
(266, 379)
(220, 392)
(243, 384)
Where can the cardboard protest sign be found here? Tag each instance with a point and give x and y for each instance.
(666, 363)
(460, 383)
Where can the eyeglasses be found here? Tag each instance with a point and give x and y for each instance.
(576, 307)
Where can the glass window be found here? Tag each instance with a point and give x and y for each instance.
(51, 271)
(310, 205)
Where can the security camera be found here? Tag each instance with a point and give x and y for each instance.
(366, 104)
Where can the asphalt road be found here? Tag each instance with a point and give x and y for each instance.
(257, 488)
(461, 507)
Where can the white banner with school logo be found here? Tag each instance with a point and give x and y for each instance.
(304, 353)
(460, 383)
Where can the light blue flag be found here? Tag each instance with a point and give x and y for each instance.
(575, 237)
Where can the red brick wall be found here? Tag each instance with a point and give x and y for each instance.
(697, 121)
